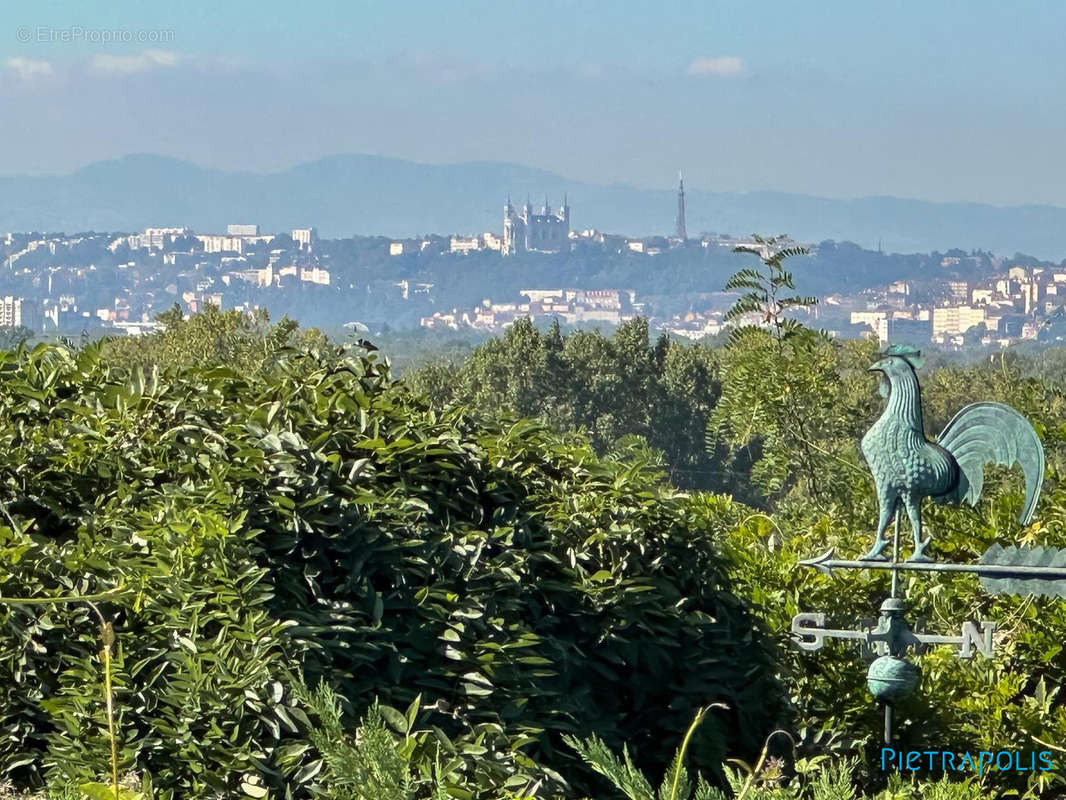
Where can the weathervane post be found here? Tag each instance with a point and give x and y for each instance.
(894, 593)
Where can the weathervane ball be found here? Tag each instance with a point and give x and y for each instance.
(890, 678)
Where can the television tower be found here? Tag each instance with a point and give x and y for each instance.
(681, 234)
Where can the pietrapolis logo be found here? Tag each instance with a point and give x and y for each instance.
(979, 763)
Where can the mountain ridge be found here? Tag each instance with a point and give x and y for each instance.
(350, 193)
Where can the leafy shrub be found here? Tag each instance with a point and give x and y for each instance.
(513, 576)
(316, 517)
(390, 758)
(246, 342)
(197, 657)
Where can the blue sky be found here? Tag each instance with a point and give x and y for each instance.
(937, 100)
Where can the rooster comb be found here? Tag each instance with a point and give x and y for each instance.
(909, 354)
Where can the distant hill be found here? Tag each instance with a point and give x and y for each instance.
(358, 194)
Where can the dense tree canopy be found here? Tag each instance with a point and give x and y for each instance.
(314, 521)
(245, 342)
(610, 387)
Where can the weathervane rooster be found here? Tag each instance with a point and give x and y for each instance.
(907, 467)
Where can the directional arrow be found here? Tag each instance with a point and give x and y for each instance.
(1002, 570)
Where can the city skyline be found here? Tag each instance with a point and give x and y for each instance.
(952, 102)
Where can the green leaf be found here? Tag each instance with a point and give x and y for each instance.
(394, 719)
(100, 791)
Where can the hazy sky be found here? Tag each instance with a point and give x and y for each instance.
(930, 99)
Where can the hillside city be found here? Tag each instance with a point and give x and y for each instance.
(119, 282)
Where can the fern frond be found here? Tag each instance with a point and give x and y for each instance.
(676, 785)
(704, 791)
(623, 773)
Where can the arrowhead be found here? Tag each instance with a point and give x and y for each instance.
(820, 563)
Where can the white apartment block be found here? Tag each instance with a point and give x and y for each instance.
(304, 237)
(10, 311)
(315, 275)
(952, 320)
(460, 244)
(156, 238)
(876, 320)
(217, 243)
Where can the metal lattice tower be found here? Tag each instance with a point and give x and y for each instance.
(681, 233)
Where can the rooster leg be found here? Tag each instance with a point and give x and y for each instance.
(888, 508)
(913, 505)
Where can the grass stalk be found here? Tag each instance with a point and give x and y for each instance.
(107, 638)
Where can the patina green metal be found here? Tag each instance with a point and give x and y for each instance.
(907, 467)
(1023, 570)
(892, 635)
(891, 678)
(1002, 570)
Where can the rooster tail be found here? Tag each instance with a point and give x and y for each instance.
(992, 433)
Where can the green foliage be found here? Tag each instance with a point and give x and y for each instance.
(838, 780)
(797, 403)
(765, 286)
(609, 387)
(779, 407)
(319, 517)
(815, 778)
(785, 409)
(528, 564)
(244, 342)
(194, 668)
(792, 409)
(1006, 702)
(297, 513)
(390, 758)
(100, 791)
(369, 767)
(627, 779)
